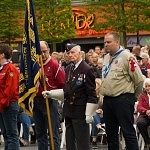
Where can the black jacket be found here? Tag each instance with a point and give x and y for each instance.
(79, 90)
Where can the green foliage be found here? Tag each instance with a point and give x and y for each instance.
(54, 20)
(123, 16)
(9, 26)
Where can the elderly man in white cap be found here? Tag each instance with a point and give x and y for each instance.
(80, 99)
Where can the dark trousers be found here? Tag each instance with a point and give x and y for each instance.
(118, 111)
(77, 134)
(142, 123)
(41, 123)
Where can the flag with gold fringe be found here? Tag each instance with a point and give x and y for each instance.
(29, 61)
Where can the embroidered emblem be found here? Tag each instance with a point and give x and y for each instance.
(80, 79)
(11, 74)
(132, 64)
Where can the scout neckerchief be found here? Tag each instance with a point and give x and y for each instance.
(106, 69)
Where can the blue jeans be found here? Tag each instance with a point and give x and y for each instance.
(26, 123)
(97, 120)
(8, 124)
(41, 124)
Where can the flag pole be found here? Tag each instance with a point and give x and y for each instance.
(47, 103)
(48, 109)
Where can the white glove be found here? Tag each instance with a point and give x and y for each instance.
(57, 94)
(46, 94)
(90, 110)
(89, 119)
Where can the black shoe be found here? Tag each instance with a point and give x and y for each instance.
(33, 142)
(94, 145)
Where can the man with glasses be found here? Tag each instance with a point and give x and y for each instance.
(54, 77)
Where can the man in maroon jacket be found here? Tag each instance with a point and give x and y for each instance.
(55, 78)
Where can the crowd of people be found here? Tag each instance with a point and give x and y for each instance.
(99, 88)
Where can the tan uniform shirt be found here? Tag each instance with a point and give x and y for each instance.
(124, 75)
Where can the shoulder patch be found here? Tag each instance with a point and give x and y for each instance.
(132, 62)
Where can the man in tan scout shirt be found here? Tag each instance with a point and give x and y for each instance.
(121, 80)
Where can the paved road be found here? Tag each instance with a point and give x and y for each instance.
(34, 147)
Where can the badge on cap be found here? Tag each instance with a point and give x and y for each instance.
(69, 46)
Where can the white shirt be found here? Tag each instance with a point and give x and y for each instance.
(77, 64)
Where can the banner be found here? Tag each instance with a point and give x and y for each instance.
(29, 61)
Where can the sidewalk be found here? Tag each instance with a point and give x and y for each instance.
(34, 147)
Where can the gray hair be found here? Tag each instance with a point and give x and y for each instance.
(45, 44)
(147, 80)
(77, 48)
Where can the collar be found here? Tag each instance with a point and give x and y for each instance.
(118, 51)
(47, 61)
(1, 67)
(77, 64)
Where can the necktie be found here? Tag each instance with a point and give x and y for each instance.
(71, 71)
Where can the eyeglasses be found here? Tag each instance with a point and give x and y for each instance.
(44, 51)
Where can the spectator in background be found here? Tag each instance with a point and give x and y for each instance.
(94, 65)
(94, 58)
(146, 49)
(88, 56)
(136, 51)
(103, 52)
(65, 60)
(26, 124)
(97, 127)
(9, 94)
(83, 55)
(143, 108)
(60, 57)
(91, 51)
(55, 55)
(145, 65)
(100, 66)
(98, 51)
